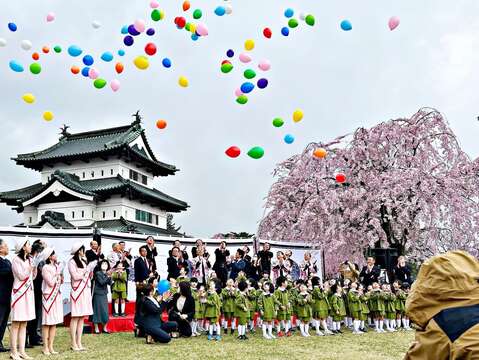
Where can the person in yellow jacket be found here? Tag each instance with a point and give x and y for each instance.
(444, 304)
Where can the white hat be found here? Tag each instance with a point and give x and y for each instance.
(76, 246)
(47, 252)
(20, 244)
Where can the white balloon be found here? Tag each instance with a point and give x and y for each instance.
(3, 42)
(26, 44)
(96, 24)
(302, 16)
(229, 9)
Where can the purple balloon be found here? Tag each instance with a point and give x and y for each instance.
(262, 83)
(230, 53)
(132, 30)
(150, 32)
(128, 40)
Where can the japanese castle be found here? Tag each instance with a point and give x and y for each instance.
(99, 179)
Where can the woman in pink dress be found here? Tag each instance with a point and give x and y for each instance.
(23, 299)
(52, 304)
(80, 296)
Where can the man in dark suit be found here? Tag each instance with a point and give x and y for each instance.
(142, 273)
(5, 290)
(94, 253)
(370, 273)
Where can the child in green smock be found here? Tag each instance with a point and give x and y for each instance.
(304, 309)
(213, 312)
(242, 310)
(228, 296)
(267, 309)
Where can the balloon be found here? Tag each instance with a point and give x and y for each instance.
(230, 53)
(141, 62)
(289, 12)
(35, 56)
(48, 116)
(119, 67)
(99, 83)
(96, 24)
(139, 25)
(346, 25)
(229, 9)
(85, 71)
(256, 152)
(161, 124)
(226, 68)
(244, 58)
(150, 49)
(107, 56)
(183, 81)
(74, 51)
(302, 16)
(124, 29)
(35, 68)
(262, 83)
(45, 49)
(154, 4)
(310, 20)
(194, 37)
(28, 98)
(12, 27)
(220, 11)
(247, 87)
(132, 30)
(93, 73)
(238, 92)
(26, 44)
(166, 63)
(233, 152)
(298, 115)
(75, 70)
(163, 286)
(340, 178)
(285, 31)
(249, 45)
(249, 74)
(128, 40)
(3, 42)
(150, 32)
(242, 99)
(15, 66)
(186, 5)
(393, 23)
(320, 153)
(278, 122)
(50, 17)
(57, 49)
(180, 22)
(88, 60)
(121, 52)
(202, 30)
(157, 15)
(264, 65)
(289, 139)
(267, 33)
(292, 23)
(197, 14)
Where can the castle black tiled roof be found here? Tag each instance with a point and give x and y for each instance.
(123, 225)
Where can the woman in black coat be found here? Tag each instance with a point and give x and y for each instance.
(182, 309)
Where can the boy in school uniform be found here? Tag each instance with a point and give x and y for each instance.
(228, 296)
(242, 310)
(364, 314)
(304, 311)
(377, 308)
(284, 306)
(267, 309)
(337, 305)
(320, 307)
(354, 303)
(213, 312)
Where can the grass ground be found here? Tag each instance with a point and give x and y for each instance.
(123, 346)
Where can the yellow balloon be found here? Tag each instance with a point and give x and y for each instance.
(298, 115)
(183, 81)
(48, 116)
(28, 98)
(141, 62)
(193, 28)
(249, 45)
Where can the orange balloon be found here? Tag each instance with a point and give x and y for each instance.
(320, 153)
(35, 56)
(119, 67)
(46, 49)
(186, 5)
(161, 124)
(75, 70)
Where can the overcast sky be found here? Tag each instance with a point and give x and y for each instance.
(341, 80)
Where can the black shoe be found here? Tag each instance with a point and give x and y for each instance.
(115, 315)
(28, 346)
(2, 349)
(123, 315)
(106, 332)
(240, 337)
(245, 337)
(232, 331)
(340, 332)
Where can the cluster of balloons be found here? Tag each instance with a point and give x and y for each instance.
(256, 152)
(293, 22)
(393, 23)
(196, 30)
(224, 9)
(279, 122)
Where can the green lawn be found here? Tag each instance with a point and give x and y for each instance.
(125, 346)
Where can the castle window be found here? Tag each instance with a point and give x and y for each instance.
(144, 180)
(92, 214)
(104, 214)
(73, 214)
(83, 175)
(114, 213)
(145, 216)
(133, 175)
(92, 174)
(111, 171)
(30, 220)
(156, 219)
(102, 173)
(82, 214)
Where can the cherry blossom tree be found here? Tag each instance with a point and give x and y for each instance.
(408, 186)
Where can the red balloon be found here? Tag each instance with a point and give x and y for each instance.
(119, 67)
(233, 152)
(180, 22)
(340, 178)
(186, 5)
(267, 33)
(150, 49)
(225, 62)
(35, 56)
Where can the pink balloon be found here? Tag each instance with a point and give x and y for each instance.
(238, 92)
(50, 17)
(115, 85)
(244, 58)
(264, 65)
(202, 30)
(154, 4)
(93, 73)
(393, 23)
(139, 25)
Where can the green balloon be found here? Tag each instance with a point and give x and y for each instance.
(278, 122)
(292, 23)
(242, 99)
(35, 68)
(187, 26)
(226, 68)
(256, 152)
(57, 49)
(249, 74)
(156, 15)
(197, 14)
(99, 83)
(310, 20)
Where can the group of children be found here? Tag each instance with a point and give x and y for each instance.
(244, 304)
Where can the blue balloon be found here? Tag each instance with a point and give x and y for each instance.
(262, 83)
(128, 40)
(289, 139)
(220, 11)
(163, 286)
(346, 25)
(121, 52)
(107, 56)
(88, 60)
(247, 87)
(16, 66)
(285, 31)
(289, 13)
(194, 37)
(230, 53)
(166, 63)
(12, 27)
(124, 29)
(150, 32)
(133, 31)
(85, 71)
(74, 51)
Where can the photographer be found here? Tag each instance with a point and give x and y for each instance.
(199, 244)
(175, 262)
(220, 266)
